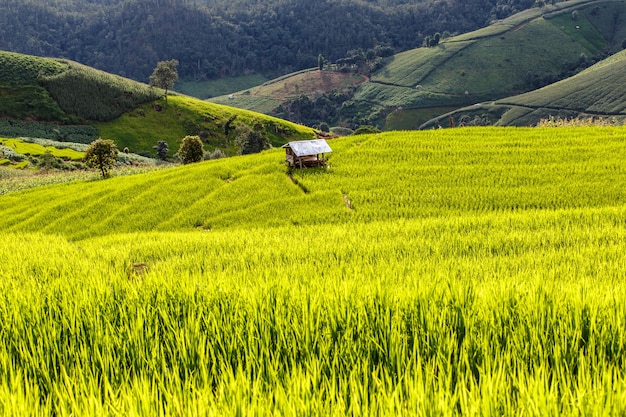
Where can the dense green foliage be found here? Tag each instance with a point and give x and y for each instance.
(191, 150)
(102, 154)
(273, 37)
(474, 271)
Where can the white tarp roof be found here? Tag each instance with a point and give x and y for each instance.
(309, 147)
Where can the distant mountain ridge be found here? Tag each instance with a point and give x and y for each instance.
(222, 38)
(526, 51)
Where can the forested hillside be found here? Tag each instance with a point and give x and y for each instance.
(220, 38)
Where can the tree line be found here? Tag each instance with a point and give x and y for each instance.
(220, 38)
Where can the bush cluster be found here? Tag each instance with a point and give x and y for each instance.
(78, 147)
(31, 102)
(216, 154)
(10, 154)
(48, 161)
(77, 134)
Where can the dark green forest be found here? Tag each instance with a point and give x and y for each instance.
(224, 38)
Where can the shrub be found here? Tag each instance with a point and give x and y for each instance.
(341, 131)
(366, 129)
(191, 150)
(10, 154)
(216, 154)
(251, 140)
(161, 149)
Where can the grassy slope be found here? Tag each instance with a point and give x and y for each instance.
(44, 89)
(482, 65)
(487, 64)
(436, 174)
(179, 116)
(598, 91)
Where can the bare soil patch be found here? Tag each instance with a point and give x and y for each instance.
(309, 83)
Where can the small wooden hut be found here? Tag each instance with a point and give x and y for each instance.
(306, 153)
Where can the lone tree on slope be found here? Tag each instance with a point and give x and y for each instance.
(165, 75)
(102, 154)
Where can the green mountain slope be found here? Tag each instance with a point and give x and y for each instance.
(598, 91)
(66, 101)
(526, 51)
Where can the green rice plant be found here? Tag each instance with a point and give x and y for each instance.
(459, 272)
(468, 316)
(12, 180)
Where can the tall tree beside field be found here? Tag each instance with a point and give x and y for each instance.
(102, 154)
(191, 150)
(165, 75)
